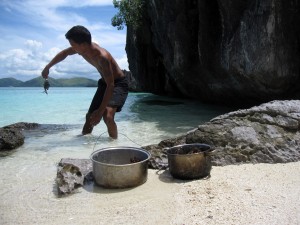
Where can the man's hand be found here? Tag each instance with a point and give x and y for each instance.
(45, 72)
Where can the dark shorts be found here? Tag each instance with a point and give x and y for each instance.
(119, 95)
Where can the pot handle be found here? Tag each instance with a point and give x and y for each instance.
(212, 151)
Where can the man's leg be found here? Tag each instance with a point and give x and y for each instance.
(87, 127)
(109, 119)
(96, 102)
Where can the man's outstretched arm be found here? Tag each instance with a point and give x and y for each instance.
(58, 58)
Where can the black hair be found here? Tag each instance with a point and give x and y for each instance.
(79, 34)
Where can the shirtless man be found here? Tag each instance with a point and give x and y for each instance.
(112, 87)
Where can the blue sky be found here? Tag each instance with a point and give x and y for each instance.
(33, 31)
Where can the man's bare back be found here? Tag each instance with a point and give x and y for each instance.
(98, 57)
(95, 58)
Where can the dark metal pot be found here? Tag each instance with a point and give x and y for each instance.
(120, 167)
(189, 161)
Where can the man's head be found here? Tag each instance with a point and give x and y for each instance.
(79, 34)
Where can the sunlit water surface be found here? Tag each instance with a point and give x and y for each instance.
(27, 183)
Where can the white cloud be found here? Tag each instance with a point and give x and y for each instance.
(14, 58)
(33, 47)
(26, 50)
(33, 44)
(109, 38)
(20, 62)
(67, 3)
(122, 62)
(30, 63)
(47, 12)
(47, 56)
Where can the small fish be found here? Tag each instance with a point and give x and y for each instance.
(46, 85)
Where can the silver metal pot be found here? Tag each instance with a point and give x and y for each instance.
(120, 167)
(189, 161)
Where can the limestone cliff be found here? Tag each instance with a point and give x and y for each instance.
(228, 51)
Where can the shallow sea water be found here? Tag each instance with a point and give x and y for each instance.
(27, 184)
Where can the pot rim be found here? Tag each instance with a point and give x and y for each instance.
(193, 144)
(118, 148)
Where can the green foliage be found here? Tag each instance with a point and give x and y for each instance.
(130, 13)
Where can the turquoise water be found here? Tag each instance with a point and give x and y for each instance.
(158, 115)
(60, 106)
(145, 119)
(27, 184)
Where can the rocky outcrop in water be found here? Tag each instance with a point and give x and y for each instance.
(269, 133)
(11, 137)
(227, 51)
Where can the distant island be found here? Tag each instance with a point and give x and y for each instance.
(39, 81)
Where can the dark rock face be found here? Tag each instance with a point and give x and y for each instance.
(10, 139)
(11, 136)
(218, 51)
(132, 84)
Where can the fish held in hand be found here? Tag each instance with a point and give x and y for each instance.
(46, 85)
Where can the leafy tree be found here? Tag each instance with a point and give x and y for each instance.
(130, 13)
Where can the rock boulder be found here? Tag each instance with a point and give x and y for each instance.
(11, 136)
(268, 133)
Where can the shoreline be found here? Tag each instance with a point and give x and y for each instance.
(234, 194)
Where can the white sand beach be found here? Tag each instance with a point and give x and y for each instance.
(244, 194)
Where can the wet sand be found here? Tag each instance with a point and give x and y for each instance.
(244, 194)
